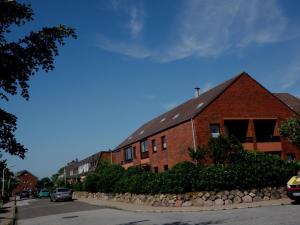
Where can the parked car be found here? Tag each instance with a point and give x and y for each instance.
(44, 193)
(24, 194)
(293, 188)
(61, 194)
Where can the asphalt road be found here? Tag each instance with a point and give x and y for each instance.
(76, 213)
(33, 208)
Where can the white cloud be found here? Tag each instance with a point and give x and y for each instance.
(135, 14)
(136, 22)
(206, 87)
(209, 28)
(169, 105)
(291, 76)
(150, 96)
(132, 50)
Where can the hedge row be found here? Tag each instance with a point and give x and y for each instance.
(245, 170)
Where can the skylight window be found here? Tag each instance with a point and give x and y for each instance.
(129, 138)
(163, 119)
(176, 116)
(200, 105)
(142, 132)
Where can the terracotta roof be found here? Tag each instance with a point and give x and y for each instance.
(179, 114)
(290, 100)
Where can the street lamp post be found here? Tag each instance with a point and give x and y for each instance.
(3, 181)
(3, 171)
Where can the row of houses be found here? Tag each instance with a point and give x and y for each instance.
(240, 106)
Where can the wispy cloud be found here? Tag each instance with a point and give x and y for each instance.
(291, 76)
(206, 87)
(149, 96)
(209, 28)
(136, 23)
(169, 105)
(135, 13)
(132, 50)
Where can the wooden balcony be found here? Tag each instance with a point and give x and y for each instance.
(269, 146)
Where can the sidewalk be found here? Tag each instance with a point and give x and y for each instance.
(142, 208)
(7, 213)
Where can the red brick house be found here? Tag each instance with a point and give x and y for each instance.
(240, 106)
(27, 182)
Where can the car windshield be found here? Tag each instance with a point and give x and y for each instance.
(62, 190)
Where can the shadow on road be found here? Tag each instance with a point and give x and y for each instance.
(211, 222)
(296, 203)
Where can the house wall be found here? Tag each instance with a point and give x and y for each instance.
(244, 99)
(27, 182)
(179, 139)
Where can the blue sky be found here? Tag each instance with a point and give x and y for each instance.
(133, 60)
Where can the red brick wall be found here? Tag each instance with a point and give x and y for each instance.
(27, 181)
(179, 138)
(105, 156)
(243, 99)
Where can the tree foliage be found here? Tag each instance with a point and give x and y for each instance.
(45, 182)
(291, 130)
(20, 60)
(198, 155)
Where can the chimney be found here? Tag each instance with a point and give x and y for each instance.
(197, 92)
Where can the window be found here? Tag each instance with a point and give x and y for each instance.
(128, 154)
(166, 167)
(164, 143)
(290, 157)
(144, 146)
(264, 130)
(154, 147)
(155, 169)
(238, 129)
(215, 130)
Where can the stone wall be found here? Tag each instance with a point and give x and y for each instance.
(192, 199)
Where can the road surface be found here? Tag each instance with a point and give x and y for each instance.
(76, 213)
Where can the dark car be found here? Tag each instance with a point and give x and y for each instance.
(61, 194)
(24, 194)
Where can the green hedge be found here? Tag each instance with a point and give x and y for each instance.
(244, 170)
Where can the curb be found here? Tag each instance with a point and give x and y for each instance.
(150, 209)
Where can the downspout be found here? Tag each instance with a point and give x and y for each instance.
(193, 132)
(111, 158)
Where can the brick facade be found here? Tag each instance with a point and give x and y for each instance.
(27, 182)
(239, 99)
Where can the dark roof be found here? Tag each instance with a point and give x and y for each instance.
(93, 158)
(290, 100)
(179, 114)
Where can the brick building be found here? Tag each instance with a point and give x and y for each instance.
(240, 106)
(27, 182)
